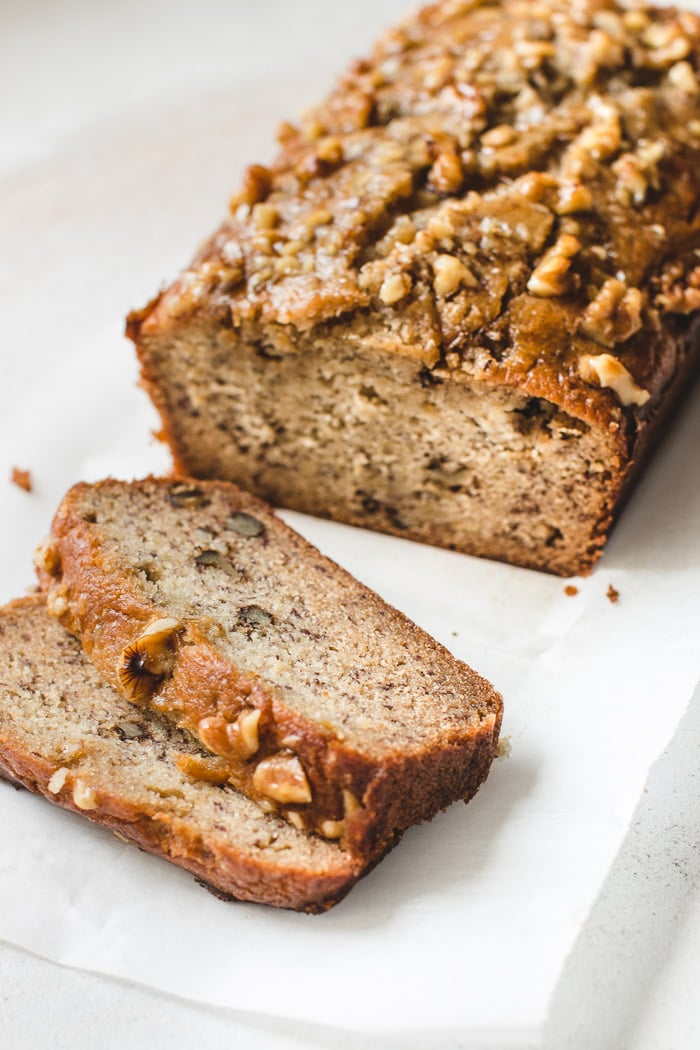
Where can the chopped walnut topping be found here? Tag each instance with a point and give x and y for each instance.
(394, 288)
(551, 276)
(330, 150)
(451, 274)
(446, 174)
(608, 371)
(667, 44)
(682, 76)
(502, 135)
(614, 315)
(319, 217)
(265, 216)
(636, 172)
(598, 142)
(476, 134)
(257, 182)
(573, 197)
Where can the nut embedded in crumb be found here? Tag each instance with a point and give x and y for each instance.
(350, 803)
(281, 778)
(22, 479)
(332, 829)
(84, 796)
(57, 781)
(149, 658)
(612, 594)
(211, 769)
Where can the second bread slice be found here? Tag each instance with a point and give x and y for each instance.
(321, 702)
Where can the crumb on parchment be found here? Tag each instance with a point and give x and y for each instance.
(22, 479)
(571, 590)
(612, 594)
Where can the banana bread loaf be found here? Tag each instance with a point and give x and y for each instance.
(322, 703)
(67, 736)
(460, 300)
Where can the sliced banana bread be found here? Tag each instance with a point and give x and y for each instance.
(321, 702)
(460, 300)
(65, 734)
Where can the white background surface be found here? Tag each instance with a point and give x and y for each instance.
(83, 85)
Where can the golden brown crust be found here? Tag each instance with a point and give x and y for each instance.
(96, 596)
(564, 128)
(221, 866)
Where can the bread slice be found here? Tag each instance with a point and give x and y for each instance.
(463, 297)
(65, 734)
(321, 702)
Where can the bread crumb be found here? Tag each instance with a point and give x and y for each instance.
(570, 590)
(22, 479)
(504, 747)
(612, 594)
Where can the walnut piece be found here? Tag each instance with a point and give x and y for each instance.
(332, 829)
(58, 780)
(238, 739)
(211, 769)
(608, 371)
(350, 803)
(451, 274)
(57, 599)
(149, 658)
(47, 556)
(551, 276)
(394, 288)
(614, 315)
(281, 777)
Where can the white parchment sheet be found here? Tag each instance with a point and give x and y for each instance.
(465, 927)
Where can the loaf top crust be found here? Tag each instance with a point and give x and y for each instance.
(506, 190)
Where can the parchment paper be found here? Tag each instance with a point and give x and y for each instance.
(466, 926)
